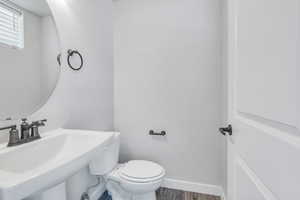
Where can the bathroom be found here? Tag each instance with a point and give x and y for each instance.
(178, 93)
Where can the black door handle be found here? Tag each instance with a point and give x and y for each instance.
(226, 130)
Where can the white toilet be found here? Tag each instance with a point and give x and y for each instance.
(134, 180)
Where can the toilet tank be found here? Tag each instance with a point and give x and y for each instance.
(107, 160)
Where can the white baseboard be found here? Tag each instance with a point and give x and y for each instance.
(194, 187)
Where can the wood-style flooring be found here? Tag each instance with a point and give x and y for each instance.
(170, 194)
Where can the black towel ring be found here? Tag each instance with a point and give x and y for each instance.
(70, 54)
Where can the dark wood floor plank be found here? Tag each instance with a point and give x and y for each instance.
(171, 194)
(167, 194)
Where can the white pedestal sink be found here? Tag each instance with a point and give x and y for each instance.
(35, 167)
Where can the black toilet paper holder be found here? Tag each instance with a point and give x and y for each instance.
(162, 133)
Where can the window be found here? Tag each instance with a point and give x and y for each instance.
(11, 25)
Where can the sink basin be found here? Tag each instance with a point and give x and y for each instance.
(37, 166)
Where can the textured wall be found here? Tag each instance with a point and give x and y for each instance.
(167, 77)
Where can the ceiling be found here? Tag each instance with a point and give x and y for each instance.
(38, 7)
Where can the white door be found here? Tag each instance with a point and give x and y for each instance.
(264, 99)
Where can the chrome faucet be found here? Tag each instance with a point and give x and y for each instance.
(29, 132)
(25, 128)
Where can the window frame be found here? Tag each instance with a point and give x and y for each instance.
(21, 35)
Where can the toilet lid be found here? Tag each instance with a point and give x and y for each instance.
(141, 170)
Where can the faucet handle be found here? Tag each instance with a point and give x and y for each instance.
(40, 122)
(14, 138)
(13, 135)
(35, 128)
(8, 127)
(24, 121)
(43, 120)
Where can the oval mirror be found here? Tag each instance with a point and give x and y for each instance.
(29, 55)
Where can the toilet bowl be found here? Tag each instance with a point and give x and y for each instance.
(133, 180)
(136, 179)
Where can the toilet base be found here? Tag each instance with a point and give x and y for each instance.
(118, 193)
(147, 196)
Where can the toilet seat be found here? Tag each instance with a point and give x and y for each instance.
(141, 171)
(137, 179)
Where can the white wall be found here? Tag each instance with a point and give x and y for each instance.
(87, 27)
(167, 77)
